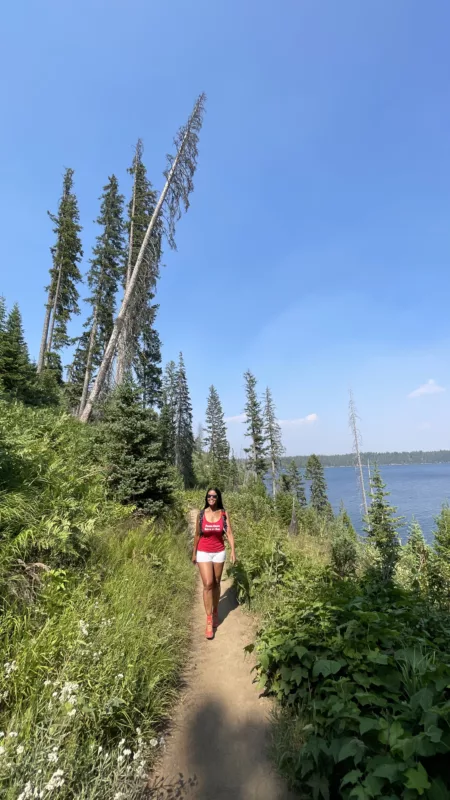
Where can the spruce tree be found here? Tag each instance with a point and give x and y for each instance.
(235, 477)
(2, 336)
(167, 417)
(17, 374)
(107, 265)
(292, 481)
(147, 360)
(315, 474)
(272, 432)
(382, 529)
(256, 453)
(140, 212)
(215, 440)
(130, 446)
(62, 292)
(442, 534)
(184, 437)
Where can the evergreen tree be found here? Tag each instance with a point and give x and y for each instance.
(292, 481)
(442, 534)
(235, 477)
(76, 372)
(167, 417)
(62, 297)
(148, 359)
(272, 432)
(256, 453)
(131, 449)
(345, 520)
(103, 278)
(140, 211)
(215, 440)
(17, 374)
(184, 437)
(315, 474)
(3, 316)
(382, 528)
(416, 554)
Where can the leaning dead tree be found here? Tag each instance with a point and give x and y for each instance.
(353, 418)
(179, 184)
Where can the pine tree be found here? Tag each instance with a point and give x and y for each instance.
(167, 417)
(131, 449)
(62, 297)
(256, 453)
(17, 374)
(345, 520)
(184, 437)
(103, 278)
(292, 481)
(177, 189)
(140, 211)
(315, 474)
(272, 432)
(235, 476)
(382, 528)
(3, 316)
(215, 440)
(76, 372)
(148, 359)
(442, 534)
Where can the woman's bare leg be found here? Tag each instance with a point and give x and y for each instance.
(207, 576)
(218, 569)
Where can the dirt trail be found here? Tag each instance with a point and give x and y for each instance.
(220, 730)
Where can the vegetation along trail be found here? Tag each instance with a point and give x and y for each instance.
(220, 730)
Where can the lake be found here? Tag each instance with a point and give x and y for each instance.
(417, 491)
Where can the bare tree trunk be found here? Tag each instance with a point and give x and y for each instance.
(43, 348)
(87, 374)
(55, 303)
(356, 448)
(128, 296)
(123, 338)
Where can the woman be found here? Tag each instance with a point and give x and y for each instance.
(209, 553)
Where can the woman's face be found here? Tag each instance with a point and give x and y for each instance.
(212, 498)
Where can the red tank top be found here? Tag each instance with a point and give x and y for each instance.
(211, 536)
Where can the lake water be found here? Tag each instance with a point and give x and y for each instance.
(417, 491)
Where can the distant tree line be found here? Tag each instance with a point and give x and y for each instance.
(382, 459)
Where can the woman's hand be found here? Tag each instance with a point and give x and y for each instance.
(194, 558)
(233, 557)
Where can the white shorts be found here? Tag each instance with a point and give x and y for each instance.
(211, 558)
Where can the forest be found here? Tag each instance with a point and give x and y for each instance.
(382, 459)
(99, 465)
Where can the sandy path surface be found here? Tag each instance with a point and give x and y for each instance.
(217, 746)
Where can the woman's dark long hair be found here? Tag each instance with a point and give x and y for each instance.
(219, 503)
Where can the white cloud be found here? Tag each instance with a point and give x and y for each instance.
(310, 419)
(237, 418)
(430, 387)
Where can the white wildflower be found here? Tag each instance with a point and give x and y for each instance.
(27, 791)
(84, 627)
(153, 742)
(2, 733)
(72, 712)
(68, 693)
(10, 666)
(2, 750)
(53, 757)
(119, 796)
(127, 752)
(138, 731)
(13, 734)
(120, 759)
(47, 682)
(55, 781)
(122, 742)
(100, 749)
(120, 675)
(20, 750)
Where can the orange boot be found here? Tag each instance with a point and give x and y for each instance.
(209, 627)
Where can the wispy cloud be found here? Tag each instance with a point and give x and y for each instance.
(237, 418)
(309, 420)
(430, 387)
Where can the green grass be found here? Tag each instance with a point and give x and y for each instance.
(91, 672)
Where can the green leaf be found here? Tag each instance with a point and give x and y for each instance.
(368, 724)
(360, 793)
(422, 698)
(434, 733)
(391, 734)
(352, 748)
(377, 658)
(320, 786)
(327, 667)
(300, 651)
(391, 770)
(437, 790)
(351, 777)
(417, 779)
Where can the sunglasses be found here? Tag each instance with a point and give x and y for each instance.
(212, 497)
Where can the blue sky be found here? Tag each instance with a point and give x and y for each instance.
(316, 251)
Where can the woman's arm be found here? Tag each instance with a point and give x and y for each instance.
(196, 539)
(230, 538)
